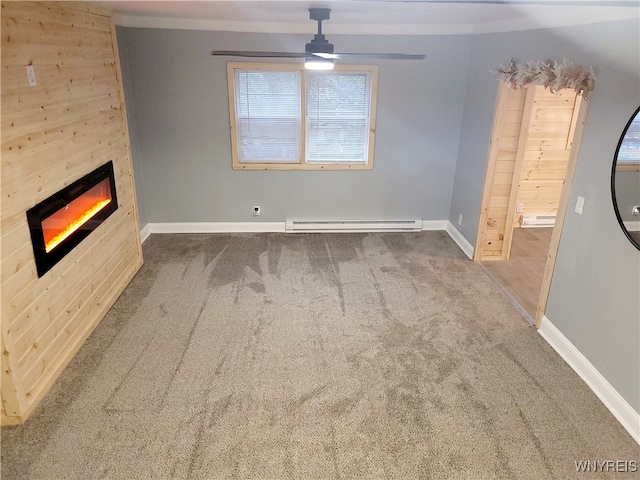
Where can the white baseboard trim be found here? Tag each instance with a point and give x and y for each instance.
(457, 237)
(618, 406)
(217, 227)
(279, 227)
(632, 225)
(144, 233)
(434, 225)
(241, 227)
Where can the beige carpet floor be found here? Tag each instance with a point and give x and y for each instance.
(317, 356)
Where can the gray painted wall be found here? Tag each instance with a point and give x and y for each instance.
(594, 298)
(133, 138)
(176, 96)
(434, 123)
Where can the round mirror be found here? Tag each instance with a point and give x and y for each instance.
(625, 180)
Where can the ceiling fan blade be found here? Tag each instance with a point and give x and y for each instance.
(333, 56)
(320, 47)
(243, 53)
(372, 56)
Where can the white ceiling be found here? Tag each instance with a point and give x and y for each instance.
(375, 17)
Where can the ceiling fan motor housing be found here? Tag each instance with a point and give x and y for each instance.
(319, 44)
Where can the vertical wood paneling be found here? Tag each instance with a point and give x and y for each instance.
(499, 175)
(71, 122)
(547, 149)
(525, 128)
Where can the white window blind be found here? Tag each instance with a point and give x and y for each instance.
(284, 117)
(268, 111)
(337, 117)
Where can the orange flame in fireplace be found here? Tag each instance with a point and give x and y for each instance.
(75, 224)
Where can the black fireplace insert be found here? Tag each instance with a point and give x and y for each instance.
(59, 223)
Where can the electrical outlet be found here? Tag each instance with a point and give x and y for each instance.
(520, 208)
(256, 211)
(459, 219)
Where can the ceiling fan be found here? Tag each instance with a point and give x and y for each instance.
(318, 53)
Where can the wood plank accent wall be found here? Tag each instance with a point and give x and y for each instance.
(546, 152)
(499, 176)
(70, 123)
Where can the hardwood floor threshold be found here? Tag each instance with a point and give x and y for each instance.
(528, 318)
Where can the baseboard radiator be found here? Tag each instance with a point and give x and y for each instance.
(352, 226)
(532, 221)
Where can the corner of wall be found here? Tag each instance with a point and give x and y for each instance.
(462, 242)
(618, 406)
(145, 232)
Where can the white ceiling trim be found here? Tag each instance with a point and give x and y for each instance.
(577, 17)
(289, 28)
(369, 17)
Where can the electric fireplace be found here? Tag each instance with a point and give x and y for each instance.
(59, 223)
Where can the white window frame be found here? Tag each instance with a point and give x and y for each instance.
(302, 164)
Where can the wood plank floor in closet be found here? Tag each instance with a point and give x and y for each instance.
(521, 275)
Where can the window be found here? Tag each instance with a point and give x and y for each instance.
(628, 154)
(284, 117)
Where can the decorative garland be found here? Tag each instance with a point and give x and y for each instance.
(552, 75)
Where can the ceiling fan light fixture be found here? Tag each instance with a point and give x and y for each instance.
(318, 63)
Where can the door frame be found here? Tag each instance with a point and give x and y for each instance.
(492, 155)
(502, 100)
(578, 123)
(562, 209)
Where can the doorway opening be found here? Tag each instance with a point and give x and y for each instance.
(534, 146)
